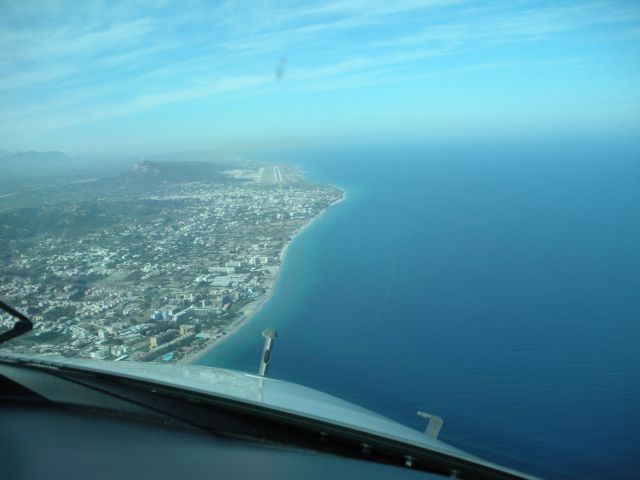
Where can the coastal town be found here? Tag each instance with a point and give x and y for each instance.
(153, 276)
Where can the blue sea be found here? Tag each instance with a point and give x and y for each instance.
(495, 285)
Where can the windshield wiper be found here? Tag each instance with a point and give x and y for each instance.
(22, 326)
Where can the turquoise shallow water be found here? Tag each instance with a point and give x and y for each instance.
(496, 287)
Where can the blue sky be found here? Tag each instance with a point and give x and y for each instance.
(153, 76)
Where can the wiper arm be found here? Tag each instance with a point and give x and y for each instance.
(22, 326)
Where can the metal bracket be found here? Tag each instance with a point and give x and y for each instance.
(434, 424)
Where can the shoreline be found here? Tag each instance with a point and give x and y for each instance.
(251, 309)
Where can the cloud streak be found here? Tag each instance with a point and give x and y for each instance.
(60, 66)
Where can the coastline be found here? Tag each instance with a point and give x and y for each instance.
(252, 308)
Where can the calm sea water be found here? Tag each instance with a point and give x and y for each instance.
(498, 287)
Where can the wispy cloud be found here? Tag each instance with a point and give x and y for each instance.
(62, 64)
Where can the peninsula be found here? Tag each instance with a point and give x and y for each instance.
(157, 264)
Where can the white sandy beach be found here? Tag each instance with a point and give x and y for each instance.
(252, 308)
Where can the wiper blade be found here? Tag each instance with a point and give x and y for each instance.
(22, 326)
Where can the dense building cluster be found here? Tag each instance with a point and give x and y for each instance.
(155, 276)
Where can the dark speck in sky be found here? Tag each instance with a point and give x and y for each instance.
(282, 64)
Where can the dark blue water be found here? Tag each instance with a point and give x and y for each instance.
(496, 287)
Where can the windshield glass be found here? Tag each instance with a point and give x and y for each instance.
(434, 205)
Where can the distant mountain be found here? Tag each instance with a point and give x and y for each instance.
(33, 158)
(178, 172)
(37, 169)
(207, 156)
(31, 165)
